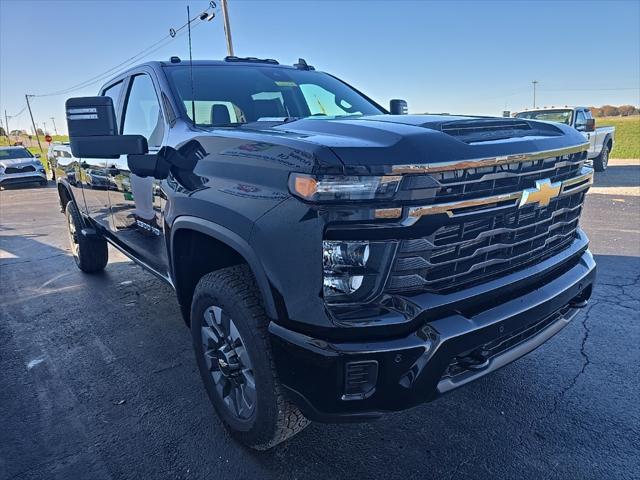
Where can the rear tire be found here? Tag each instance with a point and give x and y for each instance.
(601, 162)
(90, 254)
(229, 328)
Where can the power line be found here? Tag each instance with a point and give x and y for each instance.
(19, 113)
(122, 66)
(588, 89)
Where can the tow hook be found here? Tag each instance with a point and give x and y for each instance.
(476, 360)
(581, 300)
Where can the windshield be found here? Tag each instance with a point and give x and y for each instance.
(231, 95)
(13, 153)
(560, 116)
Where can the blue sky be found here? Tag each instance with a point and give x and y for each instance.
(456, 56)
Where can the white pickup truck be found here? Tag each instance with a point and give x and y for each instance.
(600, 139)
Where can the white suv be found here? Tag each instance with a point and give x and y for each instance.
(19, 165)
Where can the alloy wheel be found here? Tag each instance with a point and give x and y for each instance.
(228, 363)
(73, 236)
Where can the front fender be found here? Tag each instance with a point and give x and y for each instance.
(234, 241)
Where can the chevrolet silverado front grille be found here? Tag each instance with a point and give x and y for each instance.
(501, 231)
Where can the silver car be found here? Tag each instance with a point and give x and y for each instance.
(19, 165)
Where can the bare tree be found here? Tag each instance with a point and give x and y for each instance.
(626, 110)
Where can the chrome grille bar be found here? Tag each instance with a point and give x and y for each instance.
(486, 162)
(493, 202)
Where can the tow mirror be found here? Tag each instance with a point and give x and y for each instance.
(398, 107)
(93, 130)
(590, 126)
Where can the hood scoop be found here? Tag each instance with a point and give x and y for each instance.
(484, 130)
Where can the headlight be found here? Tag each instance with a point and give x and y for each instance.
(332, 188)
(336, 255)
(344, 264)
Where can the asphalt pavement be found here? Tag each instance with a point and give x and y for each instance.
(98, 379)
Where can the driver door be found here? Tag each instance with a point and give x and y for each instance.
(137, 202)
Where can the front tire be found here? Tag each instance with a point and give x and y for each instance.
(601, 162)
(90, 254)
(231, 342)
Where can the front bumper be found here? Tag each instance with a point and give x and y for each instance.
(25, 177)
(435, 358)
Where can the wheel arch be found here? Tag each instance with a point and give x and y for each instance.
(64, 195)
(194, 232)
(608, 141)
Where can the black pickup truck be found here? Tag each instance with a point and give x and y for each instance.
(333, 260)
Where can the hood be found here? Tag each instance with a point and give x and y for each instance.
(17, 162)
(371, 144)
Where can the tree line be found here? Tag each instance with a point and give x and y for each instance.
(613, 111)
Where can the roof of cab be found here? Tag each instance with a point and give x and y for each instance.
(234, 62)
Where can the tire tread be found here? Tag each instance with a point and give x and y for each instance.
(237, 282)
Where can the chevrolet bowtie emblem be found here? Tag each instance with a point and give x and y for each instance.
(542, 193)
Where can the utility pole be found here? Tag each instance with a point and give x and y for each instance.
(44, 127)
(535, 82)
(33, 123)
(227, 26)
(54, 125)
(6, 122)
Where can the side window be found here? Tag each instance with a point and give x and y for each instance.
(114, 92)
(142, 113)
(581, 119)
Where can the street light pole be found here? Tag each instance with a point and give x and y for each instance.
(535, 82)
(34, 123)
(227, 26)
(54, 125)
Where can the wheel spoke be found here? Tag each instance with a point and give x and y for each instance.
(217, 376)
(237, 401)
(249, 394)
(224, 325)
(243, 356)
(235, 335)
(209, 318)
(210, 338)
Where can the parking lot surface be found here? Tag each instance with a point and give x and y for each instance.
(98, 378)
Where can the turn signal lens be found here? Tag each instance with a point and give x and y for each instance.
(332, 188)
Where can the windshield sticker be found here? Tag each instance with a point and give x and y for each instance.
(286, 84)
